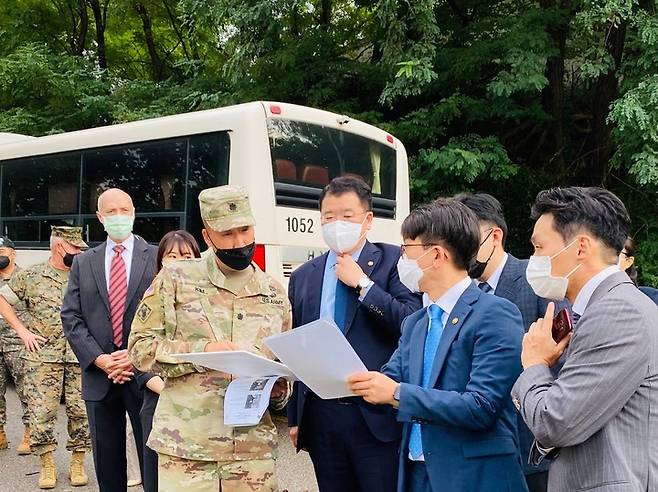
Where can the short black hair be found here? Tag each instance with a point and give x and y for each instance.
(346, 184)
(449, 223)
(486, 208)
(600, 212)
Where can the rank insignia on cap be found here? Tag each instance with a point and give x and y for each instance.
(455, 321)
(232, 207)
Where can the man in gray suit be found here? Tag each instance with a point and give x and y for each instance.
(105, 286)
(502, 274)
(598, 416)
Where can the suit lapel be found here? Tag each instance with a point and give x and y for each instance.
(98, 271)
(508, 277)
(139, 260)
(417, 350)
(370, 256)
(453, 324)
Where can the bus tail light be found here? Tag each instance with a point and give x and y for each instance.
(259, 256)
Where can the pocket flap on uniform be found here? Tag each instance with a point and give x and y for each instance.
(489, 447)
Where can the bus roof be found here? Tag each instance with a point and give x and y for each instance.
(197, 122)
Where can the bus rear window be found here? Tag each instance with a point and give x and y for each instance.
(305, 157)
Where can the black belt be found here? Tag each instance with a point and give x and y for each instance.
(349, 400)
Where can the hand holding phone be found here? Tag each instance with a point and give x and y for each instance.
(561, 325)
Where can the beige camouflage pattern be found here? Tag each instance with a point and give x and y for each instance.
(72, 235)
(176, 474)
(185, 308)
(44, 382)
(11, 363)
(41, 287)
(226, 207)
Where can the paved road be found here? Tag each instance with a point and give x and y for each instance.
(20, 473)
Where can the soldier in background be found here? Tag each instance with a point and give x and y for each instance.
(221, 301)
(50, 362)
(11, 346)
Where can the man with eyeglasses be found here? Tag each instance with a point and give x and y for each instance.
(353, 444)
(451, 376)
(499, 273)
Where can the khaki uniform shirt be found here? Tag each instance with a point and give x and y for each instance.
(41, 287)
(9, 339)
(186, 307)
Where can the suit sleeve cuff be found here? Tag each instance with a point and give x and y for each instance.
(530, 378)
(404, 412)
(367, 290)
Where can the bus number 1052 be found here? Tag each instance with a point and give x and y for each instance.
(299, 224)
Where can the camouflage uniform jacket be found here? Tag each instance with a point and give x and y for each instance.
(185, 308)
(41, 287)
(9, 339)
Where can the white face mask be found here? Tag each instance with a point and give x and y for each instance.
(542, 282)
(410, 273)
(342, 236)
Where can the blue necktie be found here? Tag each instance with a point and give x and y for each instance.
(485, 287)
(340, 305)
(431, 345)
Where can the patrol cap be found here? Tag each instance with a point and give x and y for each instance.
(72, 235)
(5, 242)
(225, 207)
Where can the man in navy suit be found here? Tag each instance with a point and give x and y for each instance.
(500, 273)
(451, 376)
(353, 444)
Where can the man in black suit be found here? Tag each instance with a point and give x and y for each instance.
(353, 444)
(105, 286)
(500, 273)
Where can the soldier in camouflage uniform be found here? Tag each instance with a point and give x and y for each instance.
(220, 301)
(50, 363)
(11, 346)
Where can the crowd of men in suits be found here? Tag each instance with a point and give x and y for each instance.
(467, 388)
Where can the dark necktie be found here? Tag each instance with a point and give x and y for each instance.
(340, 304)
(574, 318)
(485, 287)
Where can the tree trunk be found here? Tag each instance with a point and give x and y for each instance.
(82, 31)
(100, 18)
(553, 97)
(605, 92)
(157, 66)
(325, 14)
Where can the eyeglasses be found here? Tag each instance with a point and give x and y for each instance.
(403, 248)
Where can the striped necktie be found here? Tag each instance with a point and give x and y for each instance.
(117, 294)
(485, 287)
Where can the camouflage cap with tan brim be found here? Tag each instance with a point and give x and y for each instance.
(72, 235)
(226, 207)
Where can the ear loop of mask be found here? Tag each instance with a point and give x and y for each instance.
(493, 249)
(562, 251)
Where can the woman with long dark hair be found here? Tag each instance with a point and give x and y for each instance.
(627, 264)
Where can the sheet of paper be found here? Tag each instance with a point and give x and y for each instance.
(319, 355)
(239, 363)
(246, 400)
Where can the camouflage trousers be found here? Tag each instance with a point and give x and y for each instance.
(44, 384)
(176, 474)
(12, 366)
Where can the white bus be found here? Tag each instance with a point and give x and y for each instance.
(283, 153)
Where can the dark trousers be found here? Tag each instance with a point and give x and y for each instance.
(107, 423)
(417, 479)
(150, 474)
(537, 482)
(345, 454)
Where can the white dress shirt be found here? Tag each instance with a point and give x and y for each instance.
(127, 255)
(585, 294)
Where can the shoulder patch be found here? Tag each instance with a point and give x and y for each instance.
(143, 312)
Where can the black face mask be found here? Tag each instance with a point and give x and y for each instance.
(68, 259)
(236, 258)
(478, 267)
(4, 262)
